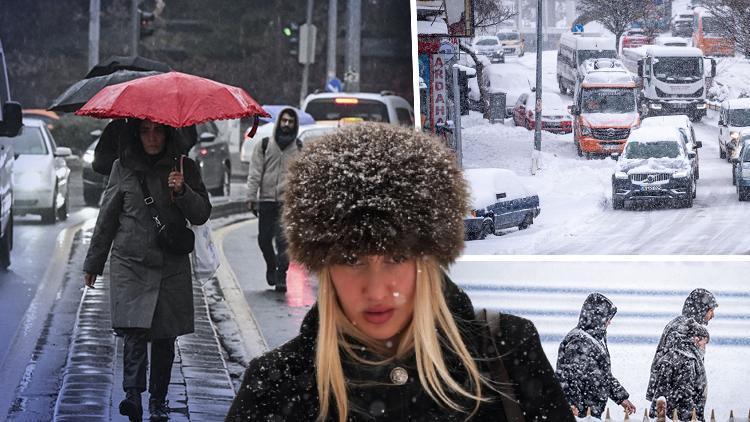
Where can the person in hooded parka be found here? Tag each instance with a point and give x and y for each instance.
(151, 289)
(680, 375)
(584, 368)
(375, 213)
(699, 306)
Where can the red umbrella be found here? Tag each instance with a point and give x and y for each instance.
(175, 99)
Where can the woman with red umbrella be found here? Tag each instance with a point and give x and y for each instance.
(152, 192)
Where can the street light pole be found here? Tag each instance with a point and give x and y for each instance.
(134, 27)
(310, 53)
(353, 41)
(332, 38)
(536, 154)
(94, 9)
(457, 117)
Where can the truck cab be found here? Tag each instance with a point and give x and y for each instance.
(575, 49)
(604, 110)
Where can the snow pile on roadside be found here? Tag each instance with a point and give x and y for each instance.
(732, 79)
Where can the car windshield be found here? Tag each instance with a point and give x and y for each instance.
(712, 25)
(659, 149)
(678, 68)
(608, 100)
(739, 117)
(487, 41)
(584, 55)
(30, 142)
(507, 36)
(339, 108)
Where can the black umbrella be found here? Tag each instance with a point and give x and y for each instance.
(80, 92)
(116, 63)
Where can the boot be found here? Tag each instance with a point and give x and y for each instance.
(131, 406)
(159, 409)
(281, 281)
(271, 276)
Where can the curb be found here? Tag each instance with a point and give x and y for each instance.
(226, 209)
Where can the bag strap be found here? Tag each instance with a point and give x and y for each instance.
(149, 201)
(499, 373)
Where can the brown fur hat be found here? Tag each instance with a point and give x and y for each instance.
(374, 189)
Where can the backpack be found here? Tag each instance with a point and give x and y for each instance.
(264, 144)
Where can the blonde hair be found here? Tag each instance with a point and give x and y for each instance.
(431, 316)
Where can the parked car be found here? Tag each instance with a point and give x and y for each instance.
(331, 107)
(211, 154)
(741, 169)
(682, 25)
(512, 42)
(490, 46)
(734, 116)
(635, 37)
(10, 126)
(555, 115)
(40, 174)
(654, 166)
(49, 117)
(93, 182)
(499, 200)
(683, 123)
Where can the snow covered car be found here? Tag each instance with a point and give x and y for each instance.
(555, 115)
(654, 166)
(40, 175)
(499, 201)
(635, 37)
(683, 123)
(511, 41)
(741, 170)
(490, 46)
(671, 41)
(734, 116)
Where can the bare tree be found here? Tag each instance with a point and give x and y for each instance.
(616, 16)
(487, 13)
(734, 17)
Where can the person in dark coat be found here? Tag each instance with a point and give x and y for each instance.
(583, 364)
(375, 212)
(699, 306)
(151, 290)
(680, 375)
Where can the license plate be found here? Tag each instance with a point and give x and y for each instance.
(649, 188)
(680, 105)
(610, 146)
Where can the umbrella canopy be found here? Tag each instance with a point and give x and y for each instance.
(115, 63)
(274, 110)
(174, 99)
(80, 92)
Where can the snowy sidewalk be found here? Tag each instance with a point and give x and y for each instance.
(91, 388)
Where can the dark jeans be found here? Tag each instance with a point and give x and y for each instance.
(269, 230)
(135, 362)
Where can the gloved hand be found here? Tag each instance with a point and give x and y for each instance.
(253, 207)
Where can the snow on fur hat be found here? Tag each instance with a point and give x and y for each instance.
(374, 189)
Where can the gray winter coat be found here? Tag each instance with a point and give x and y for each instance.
(149, 288)
(266, 178)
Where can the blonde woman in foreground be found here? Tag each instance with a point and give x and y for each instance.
(375, 212)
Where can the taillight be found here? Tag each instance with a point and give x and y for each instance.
(203, 151)
(346, 101)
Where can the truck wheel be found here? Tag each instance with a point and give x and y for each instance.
(6, 244)
(529, 220)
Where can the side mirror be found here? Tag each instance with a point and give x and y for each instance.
(698, 144)
(615, 156)
(574, 110)
(734, 160)
(63, 152)
(206, 137)
(12, 119)
(500, 195)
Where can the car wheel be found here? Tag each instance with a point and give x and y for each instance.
(688, 202)
(224, 186)
(91, 197)
(695, 189)
(617, 203)
(529, 220)
(578, 148)
(486, 229)
(62, 212)
(48, 215)
(6, 244)
(734, 178)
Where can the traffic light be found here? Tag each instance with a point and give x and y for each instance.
(146, 23)
(291, 34)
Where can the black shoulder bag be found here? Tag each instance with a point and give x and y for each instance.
(171, 237)
(490, 331)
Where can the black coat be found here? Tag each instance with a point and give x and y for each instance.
(680, 377)
(583, 364)
(697, 304)
(280, 385)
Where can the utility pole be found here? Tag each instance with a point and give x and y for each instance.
(94, 9)
(536, 154)
(353, 44)
(332, 38)
(310, 53)
(134, 27)
(457, 117)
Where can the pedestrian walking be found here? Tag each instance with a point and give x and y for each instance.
(266, 183)
(699, 306)
(583, 362)
(375, 212)
(151, 290)
(680, 374)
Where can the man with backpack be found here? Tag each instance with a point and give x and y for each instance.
(266, 182)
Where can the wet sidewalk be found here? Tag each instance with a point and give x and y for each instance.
(91, 387)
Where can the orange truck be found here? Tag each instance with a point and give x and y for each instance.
(708, 36)
(605, 110)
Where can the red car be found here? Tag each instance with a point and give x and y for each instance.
(555, 116)
(635, 38)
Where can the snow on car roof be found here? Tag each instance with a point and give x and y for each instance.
(485, 183)
(484, 37)
(666, 41)
(614, 76)
(655, 134)
(674, 51)
(679, 120)
(595, 43)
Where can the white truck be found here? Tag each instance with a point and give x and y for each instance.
(672, 80)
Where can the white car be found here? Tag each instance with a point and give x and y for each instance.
(306, 133)
(331, 107)
(511, 41)
(40, 175)
(734, 116)
(490, 46)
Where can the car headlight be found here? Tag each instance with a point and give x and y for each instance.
(621, 175)
(680, 174)
(655, 106)
(700, 106)
(734, 135)
(88, 157)
(586, 131)
(31, 180)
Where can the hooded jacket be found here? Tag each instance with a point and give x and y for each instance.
(696, 305)
(280, 385)
(266, 179)
(680, 375)
(583, 363)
